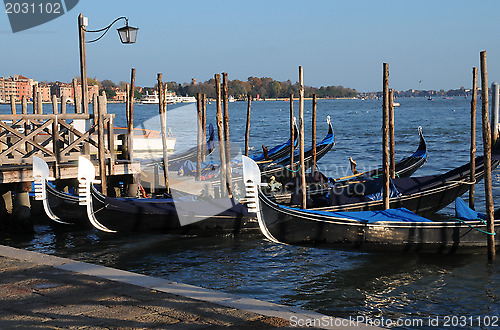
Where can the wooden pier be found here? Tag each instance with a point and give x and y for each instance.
(59, 138)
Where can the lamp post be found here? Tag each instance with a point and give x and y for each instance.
(128, 35)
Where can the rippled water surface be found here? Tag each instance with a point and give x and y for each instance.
(336, 283)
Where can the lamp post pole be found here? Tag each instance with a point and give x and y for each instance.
(82, 22)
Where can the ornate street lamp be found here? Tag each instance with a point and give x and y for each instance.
(128, 35)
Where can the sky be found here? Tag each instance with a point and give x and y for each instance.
(428, 44)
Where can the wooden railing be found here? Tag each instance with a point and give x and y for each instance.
(58, 138)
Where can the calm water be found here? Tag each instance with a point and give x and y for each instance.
(335, 283)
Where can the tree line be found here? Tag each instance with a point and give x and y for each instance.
(263, 88)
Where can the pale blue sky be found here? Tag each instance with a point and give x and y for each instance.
(337, 42)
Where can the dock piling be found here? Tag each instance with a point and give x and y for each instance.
(301, 140)
(204, 125)
(21, 210)
(101, 150)
(292, 138)
(76, 100)
(494, 112)
(39, 104)
(163, 127)
(199, 138)
(220, 135)
(130, 116)
(385, 136)
(392, 146)
(314, 109)
(13, 104)
(247, 128)
(227, 142)
(34, 96)
(473, 107)
(487, 158)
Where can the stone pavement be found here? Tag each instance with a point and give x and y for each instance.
(39, 291)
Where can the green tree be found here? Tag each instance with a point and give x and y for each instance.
(106, 84)
(109, 93)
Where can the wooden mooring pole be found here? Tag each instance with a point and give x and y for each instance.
(13, 104)
(392, 163)
(385, 136)
(39, 103)
(473, 107)
(34, 96)
(130, 117)
(314, 108)
(204, 125)
(199, 138)
(76, 97)
(487, 158)
(55, 139)
(292, 138)
(247, 130)
(95, 107)
(227, 143)
(494, 112)
(27, 130)
(220, 135)
(301, 140)
(101, 150)
(163, 127)
(63, 104)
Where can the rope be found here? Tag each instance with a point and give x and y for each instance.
(286, 168)
(479, 230)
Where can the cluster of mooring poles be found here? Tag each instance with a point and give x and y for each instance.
(490, 136)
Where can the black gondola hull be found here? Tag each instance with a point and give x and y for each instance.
(295, 227)
(217, 216)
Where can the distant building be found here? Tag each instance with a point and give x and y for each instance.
(16, 85)
(44, 90)
(121, 96)
(64, 90)
(92, 90)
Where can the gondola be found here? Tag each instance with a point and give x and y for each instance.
(59, 206)
(181, 214)
(423, 195)
(404, 168)
(279, 151)
(281, 169)
(320, 184)
(394, 230)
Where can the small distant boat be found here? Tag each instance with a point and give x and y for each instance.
(396, 104)
(149, 99)
(231, 99)
(430, 98)
(447, 98)
(170, 99)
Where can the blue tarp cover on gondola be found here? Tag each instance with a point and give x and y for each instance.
(393, 215)
(463, 212)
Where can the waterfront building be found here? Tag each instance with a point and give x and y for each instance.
(16, 85)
